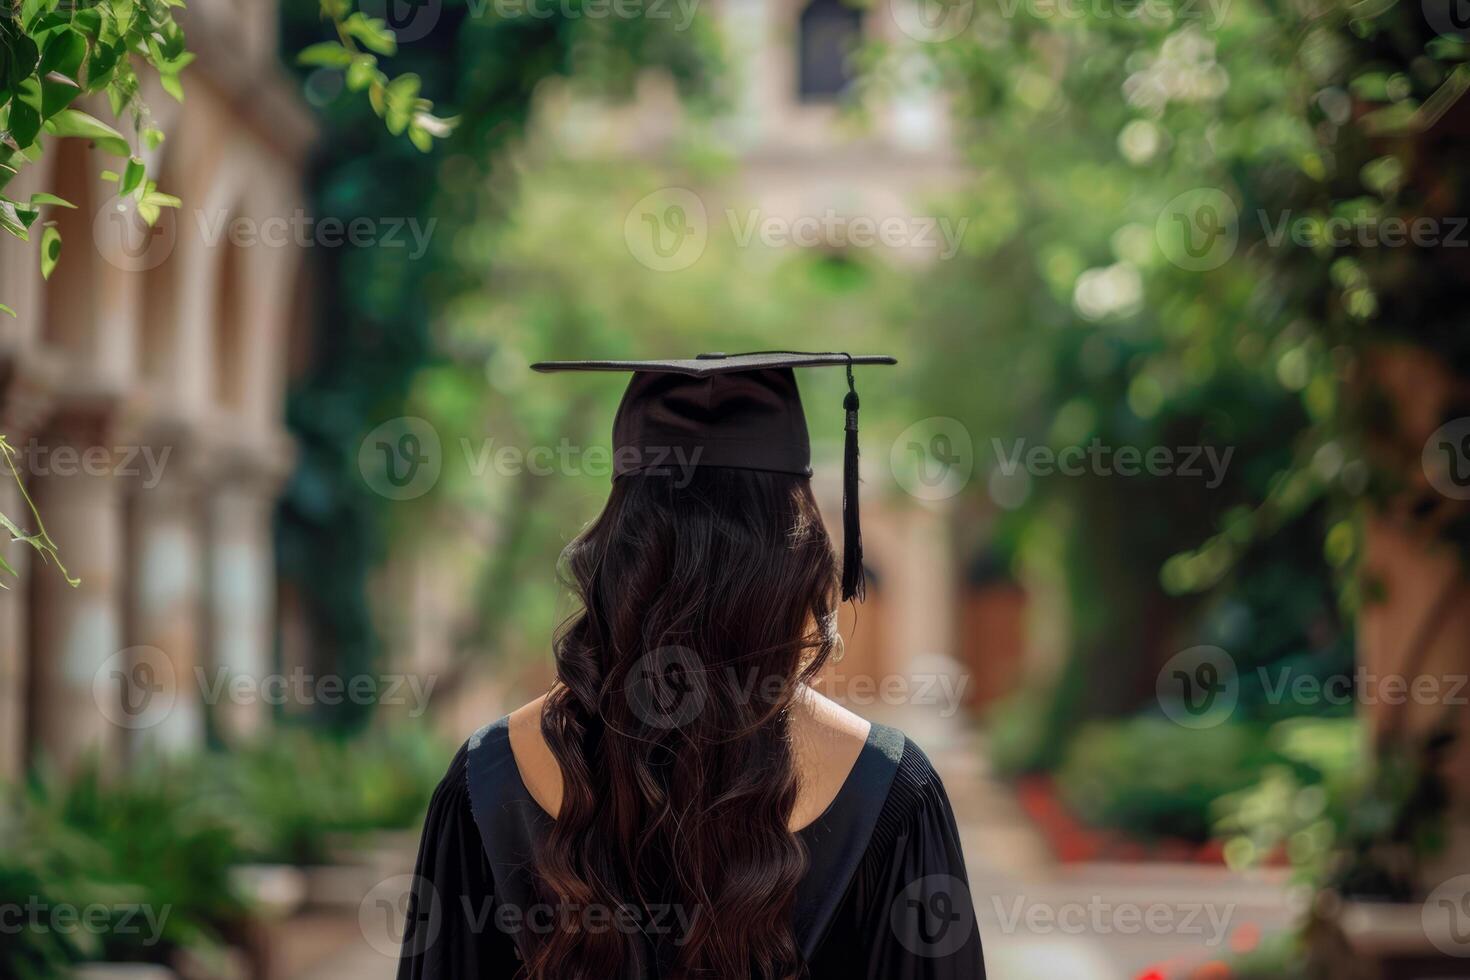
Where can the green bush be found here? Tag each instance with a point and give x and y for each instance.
(1152, 777)
(31, 953)
(148, 840)
(294, 794)
(163, 837)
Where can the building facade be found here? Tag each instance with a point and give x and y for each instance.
(143, 389)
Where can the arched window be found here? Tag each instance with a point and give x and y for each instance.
(229, 329)
(158, 337)
(830, 31)
(71, 293)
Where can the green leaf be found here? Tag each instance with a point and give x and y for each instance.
(75, 122)
(43, 198)
(159, 199)
(151, 203)
(50, 250)
(117, 92)
(57, 92)
(325, 54)
(132, 177)
(88, 21)
(7, 310)
(102, 62)
(152, 137)
(16, 219)
(371, 32)
(64, 53)
(20, 59)
(31, 9)
(25, 122)
(172, 86)
(402, 96)
(362, 72)
(122, 13)
(420, 138)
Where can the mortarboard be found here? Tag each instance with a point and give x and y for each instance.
(736, 410)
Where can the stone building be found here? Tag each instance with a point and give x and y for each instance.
(143, 387)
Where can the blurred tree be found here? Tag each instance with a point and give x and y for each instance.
(376, 308)
(1135, 168)
(541, 299)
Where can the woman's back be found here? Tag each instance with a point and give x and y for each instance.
(680, 804)
(826, 740)
(884, 895)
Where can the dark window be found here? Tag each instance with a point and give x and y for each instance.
(830, 31)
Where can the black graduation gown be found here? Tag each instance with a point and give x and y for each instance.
(885, 897)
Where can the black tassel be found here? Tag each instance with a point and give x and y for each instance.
(853, 580)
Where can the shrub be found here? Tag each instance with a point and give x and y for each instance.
(149, 840)
(1152, 777)
(294, 794)
(29, 953)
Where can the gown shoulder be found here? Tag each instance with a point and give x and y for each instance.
(905, 912)
(908, 912)
(450, 930)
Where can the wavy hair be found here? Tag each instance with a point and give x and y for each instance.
(706, 599)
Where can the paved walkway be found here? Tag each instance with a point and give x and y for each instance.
(1039, 919)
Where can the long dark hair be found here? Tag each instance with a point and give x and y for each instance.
(707, 597)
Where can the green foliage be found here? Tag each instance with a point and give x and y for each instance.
(1150, 776)
(1079, 132)
(1301, 800)
(1017, 729)
(376, 311)
(51, 55)
(395, 100)
(539, 299)
(164, 837)
(293, 796)
(1360, 823)
(1083, 131)
(38, 539)
(32, 954)
(150, 841)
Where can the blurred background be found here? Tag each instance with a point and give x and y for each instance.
(1164, 505)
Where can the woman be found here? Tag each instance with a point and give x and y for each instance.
(682, 804)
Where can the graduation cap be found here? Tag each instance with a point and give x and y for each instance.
(741, 411)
